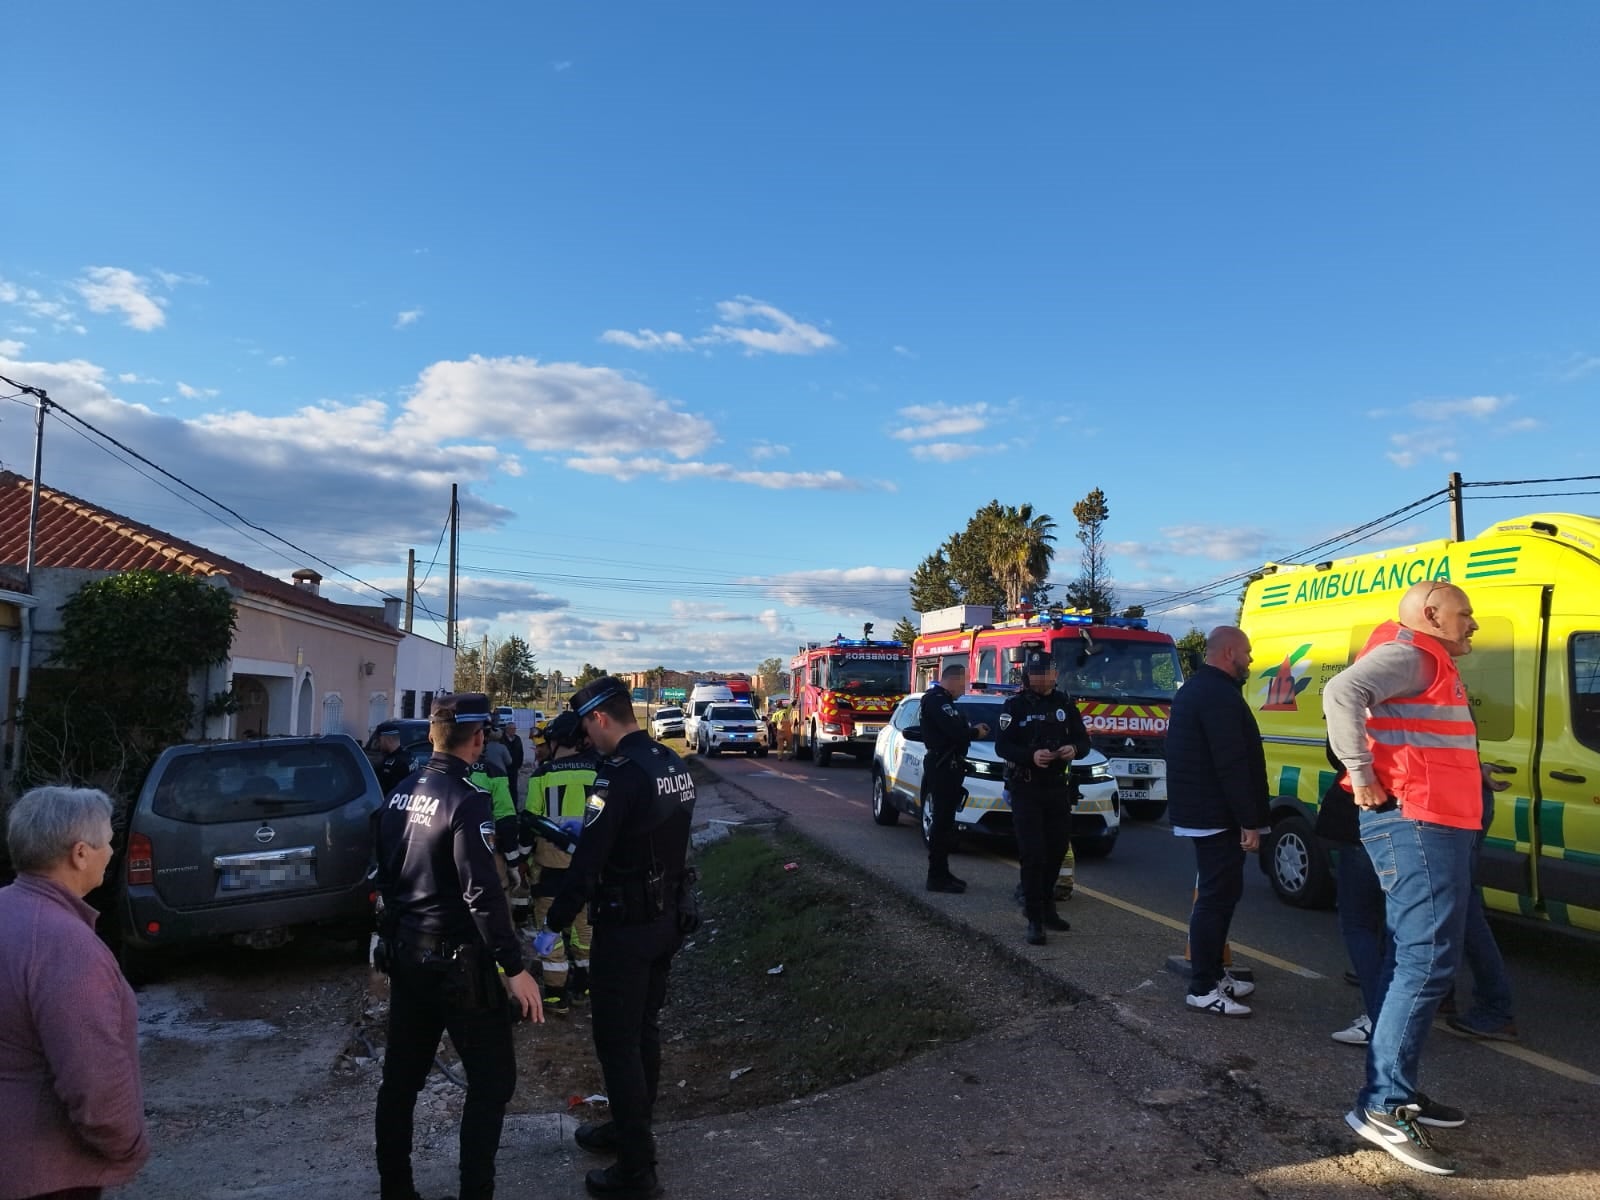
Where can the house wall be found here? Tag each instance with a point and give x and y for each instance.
(422, 667)
(332, 676)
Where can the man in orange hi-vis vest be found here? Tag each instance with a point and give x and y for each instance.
(1400, 722)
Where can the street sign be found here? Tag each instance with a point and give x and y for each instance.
(677, 694)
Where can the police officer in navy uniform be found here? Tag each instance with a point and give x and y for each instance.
(447, 943)
(1041, 732)
(396, 762)
(946, 735)
(629, 867)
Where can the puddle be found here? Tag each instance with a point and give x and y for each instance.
(167, 1014)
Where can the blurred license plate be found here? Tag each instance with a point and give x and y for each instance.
(1134, 793)
(1139, 768)
(244, 879)
(869, 730)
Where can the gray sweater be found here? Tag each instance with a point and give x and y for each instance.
(1390, 671)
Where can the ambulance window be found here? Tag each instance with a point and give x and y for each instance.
(1490, 675)
(987, 666)
(1584, 662)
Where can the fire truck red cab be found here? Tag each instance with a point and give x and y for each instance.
(844, 692)
(1122, 675)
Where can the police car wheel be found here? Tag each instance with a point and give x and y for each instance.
(883, 810)
(760, 751)
(1145, 810)
(1097, 847)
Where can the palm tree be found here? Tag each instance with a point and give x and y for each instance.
(1020, 551)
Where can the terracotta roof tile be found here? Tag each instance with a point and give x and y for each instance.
(76, 534)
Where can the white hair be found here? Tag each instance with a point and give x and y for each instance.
(47, 822)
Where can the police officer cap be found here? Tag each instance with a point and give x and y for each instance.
(460, 708)
(591, 696)
(1039, 663)
(564, 729)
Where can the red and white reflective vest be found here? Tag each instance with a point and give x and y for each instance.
(1425, 747)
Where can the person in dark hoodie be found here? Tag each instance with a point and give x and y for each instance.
(1217, 797)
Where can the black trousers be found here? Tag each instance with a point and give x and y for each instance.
(423, 1005)
(944, 793)
(1042, 818)
(1219, 882)
(628, 967)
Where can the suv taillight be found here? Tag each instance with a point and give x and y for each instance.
(141, 859)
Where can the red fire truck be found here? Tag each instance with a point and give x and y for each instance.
(844, 692)
(1121, 673)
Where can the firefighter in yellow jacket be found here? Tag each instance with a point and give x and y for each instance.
(559, 790)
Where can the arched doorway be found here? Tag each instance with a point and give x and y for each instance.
(303, 706)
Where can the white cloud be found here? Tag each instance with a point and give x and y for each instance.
(903, 352)
(1577, 366)
(941, 421)
(1522, 425)
(625, 469)
(135, 377)
(1407, 449)
(196, 393)
(278, 360)
(410, 317)
(345, 460)
(646, 339)
(10, 349)
(1218, 543)
(1469, 406)
(783, 335)
(762, 451)
(759, 327)
(480, 597)
(117, 289)
(550, 407)
(880, 594)
(37, 304)
(947, 452)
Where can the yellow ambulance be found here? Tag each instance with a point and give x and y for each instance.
(1534, 678)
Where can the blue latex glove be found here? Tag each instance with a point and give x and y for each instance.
(571, 826)
(545, 942)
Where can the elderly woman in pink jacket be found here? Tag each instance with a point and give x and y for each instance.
(69, 1039)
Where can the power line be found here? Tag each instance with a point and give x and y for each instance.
(1526, 482)
(443, 529)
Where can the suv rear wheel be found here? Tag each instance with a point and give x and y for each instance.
(883, 810)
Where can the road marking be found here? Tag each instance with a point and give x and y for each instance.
(1272, 960)
(1533, 1058)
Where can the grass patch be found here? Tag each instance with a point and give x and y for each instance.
(852, 998)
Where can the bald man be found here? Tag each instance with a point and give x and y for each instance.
(1217, 798)
(1400, 722)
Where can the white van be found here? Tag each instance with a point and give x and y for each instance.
(702, 696)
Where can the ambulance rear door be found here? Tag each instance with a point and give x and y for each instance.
(1502, 675)
(1566, 816)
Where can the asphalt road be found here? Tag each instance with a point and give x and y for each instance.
(1131, 908)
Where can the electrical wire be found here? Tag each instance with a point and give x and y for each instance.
(1527, 482)
(443, 529)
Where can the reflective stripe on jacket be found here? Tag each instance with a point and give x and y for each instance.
(1425, 747)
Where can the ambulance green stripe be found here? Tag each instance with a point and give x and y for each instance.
(1550, 824)
(1488, 574)
(1491, 562)
(1520, 823)
(1581, 856)
(1494, 550)
(1289, 782)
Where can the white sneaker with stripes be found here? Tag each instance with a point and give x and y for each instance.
(1218, 1002)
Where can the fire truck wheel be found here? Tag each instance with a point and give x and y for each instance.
(883, 810)
(823, 755)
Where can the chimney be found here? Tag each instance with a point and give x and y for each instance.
(308, 580)
(391, 611)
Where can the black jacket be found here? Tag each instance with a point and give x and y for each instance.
(945, 732)
(1216, 764)
(514, 749)
(638, 815)
(1030, 722)
(436, 868)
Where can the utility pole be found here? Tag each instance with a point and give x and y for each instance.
(455, 536)
(1458, 528)
(41, 407)
(411, 586)
(483, 665)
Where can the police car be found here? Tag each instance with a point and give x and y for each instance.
(897, 786)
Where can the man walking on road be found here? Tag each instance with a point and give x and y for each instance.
(1400, 722)
(947, 734)
(1217, 798)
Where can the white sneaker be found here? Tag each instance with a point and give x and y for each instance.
(1219, 1002)
(1359, 1033)
(1237, 988)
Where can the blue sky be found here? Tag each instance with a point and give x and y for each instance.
(723, 316)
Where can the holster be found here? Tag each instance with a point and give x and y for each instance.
(688, 902)
(471, 980)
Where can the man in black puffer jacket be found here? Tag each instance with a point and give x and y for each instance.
(1217, 797)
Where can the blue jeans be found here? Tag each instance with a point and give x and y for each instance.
(1425, 871)
(1363, 925)
(1491, 986)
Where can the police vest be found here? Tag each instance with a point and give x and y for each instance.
(1425, 747)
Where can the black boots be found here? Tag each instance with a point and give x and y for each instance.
(1054, 920)
(1035, 935)
(600, 1138)
(946, 883)
(625, 1183)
